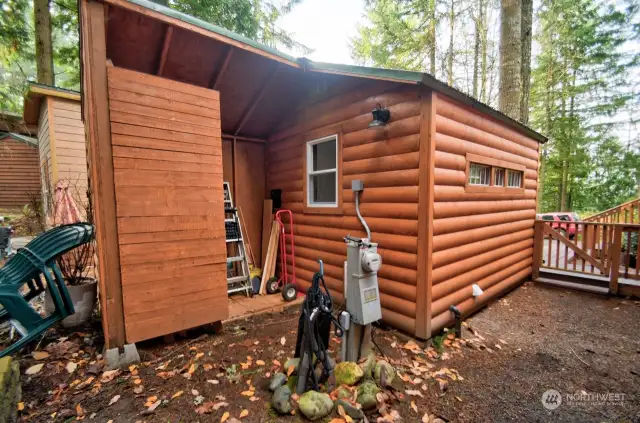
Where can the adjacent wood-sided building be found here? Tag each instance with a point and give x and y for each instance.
(450, 183)
(19, 171)
(62, 151)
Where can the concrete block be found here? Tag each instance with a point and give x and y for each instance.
(115, 360)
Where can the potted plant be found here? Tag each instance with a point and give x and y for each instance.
(77, 268)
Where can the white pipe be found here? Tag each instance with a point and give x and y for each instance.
(366, 227)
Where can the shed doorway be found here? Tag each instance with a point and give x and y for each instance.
(167, 160)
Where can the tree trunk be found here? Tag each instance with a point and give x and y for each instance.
(452, 17)
(564, 185)
(525, 74)
(476, 49)
(510, 58)
(44, 49)
(432, 37)
(483, 48)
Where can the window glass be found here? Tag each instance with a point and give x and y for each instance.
(322, 172)
(499, 177)
(515, 179)
(479, 174)
(324, 155)
(564, 218)
(547, 217)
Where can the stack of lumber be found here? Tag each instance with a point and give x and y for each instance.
(270, 243)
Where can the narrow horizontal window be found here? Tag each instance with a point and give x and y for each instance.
(322, 172)
(515, 179)
(479, 174)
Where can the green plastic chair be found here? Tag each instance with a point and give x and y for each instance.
(38, 260)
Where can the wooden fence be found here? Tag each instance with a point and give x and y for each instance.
(628, 212)
(592, 249)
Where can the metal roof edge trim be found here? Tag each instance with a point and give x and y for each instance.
(19, 137)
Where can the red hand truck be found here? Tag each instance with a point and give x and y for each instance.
(287, 282)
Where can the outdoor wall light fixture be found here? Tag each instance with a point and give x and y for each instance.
(381, 116)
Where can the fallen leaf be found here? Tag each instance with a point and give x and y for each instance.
(71, 367)
(39, 355)
(414, 407)
(426, 418)
(276, 363)
(244, 413)
(20, 406)
(200, 354)
(138, 389)
(414, 393)
(247, 393)
(260, 363)
(290, 370)
(195, 392)
(109, 375)
(224, 417)
(34, 369)
(152, 407)
(114, 399)
(150, 401)
(79, 410)
(337, 420)
(192, 369)
(459, 399)
(207, 367)
(176, 395)
(213, 381)
(254, 399)
(283, 341)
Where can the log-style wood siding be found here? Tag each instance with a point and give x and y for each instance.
(19, 173)
(387, 160)
(478, 237)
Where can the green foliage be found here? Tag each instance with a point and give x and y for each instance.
(255, 19)
(580, 87)
(397, 36)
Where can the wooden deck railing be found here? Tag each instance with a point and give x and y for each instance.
(628, 212)
(607, 250)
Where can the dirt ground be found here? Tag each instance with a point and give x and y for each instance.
(533, 340)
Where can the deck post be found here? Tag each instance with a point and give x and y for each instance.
(425, 213)
(616, 248)
(538, 248)
(95, 105)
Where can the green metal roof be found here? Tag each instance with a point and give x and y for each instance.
(356, 71)
(54, 88)
(19, 137)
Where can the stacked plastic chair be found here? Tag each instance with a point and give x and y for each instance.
(33, 264)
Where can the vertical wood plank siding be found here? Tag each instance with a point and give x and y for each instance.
(44, 148)
(387, 160)
(167, 159)
(19, 173)
(481, 238)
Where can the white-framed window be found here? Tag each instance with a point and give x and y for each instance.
(322, 172)
(479, 174)
(498, 176)
(515, 179)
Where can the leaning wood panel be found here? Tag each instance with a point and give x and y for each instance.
(168, 182)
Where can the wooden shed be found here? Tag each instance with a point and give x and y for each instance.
(19, 172)
(450, 183)
(61, 144)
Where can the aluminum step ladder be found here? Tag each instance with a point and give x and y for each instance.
(238, 277)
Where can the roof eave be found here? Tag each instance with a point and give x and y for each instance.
(431, 82)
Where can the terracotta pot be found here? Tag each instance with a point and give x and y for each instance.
(83, 298)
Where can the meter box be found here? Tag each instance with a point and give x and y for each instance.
(363, 295)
